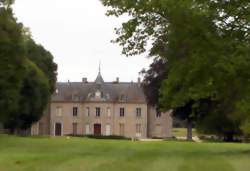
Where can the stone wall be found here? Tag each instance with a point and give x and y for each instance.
(148, 125)
(160, 126)
(130, 120)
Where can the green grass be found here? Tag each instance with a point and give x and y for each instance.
(182, 132)
(81, 154)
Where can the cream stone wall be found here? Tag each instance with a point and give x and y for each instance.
(130, 120)
(114, 120)
(43, 126)
(149, 124)
(159, 127)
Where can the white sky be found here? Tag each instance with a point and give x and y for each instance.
(78, 34)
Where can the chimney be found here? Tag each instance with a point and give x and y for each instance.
(117, 79)
(84, 80)
(139, 80)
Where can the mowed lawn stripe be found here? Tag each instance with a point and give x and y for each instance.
(82, 154)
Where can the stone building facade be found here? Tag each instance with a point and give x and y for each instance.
(102, 108)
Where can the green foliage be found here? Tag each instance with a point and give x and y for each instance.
(44, 60)
(34, 97)
(6, 3)
(206, 44)
(27, 73)
(153, 78)
(11, 62)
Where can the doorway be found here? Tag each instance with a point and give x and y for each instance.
(58, 129)
(97, 129)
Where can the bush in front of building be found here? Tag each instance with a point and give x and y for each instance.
(114, 137)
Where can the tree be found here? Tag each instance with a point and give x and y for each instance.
(206, 44)
(6, 3)
(27, 73)
(153, 78)
(44, 60)
(34, 97)
(11, 62)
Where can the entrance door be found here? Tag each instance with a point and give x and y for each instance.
(97, 129)
(58, 129)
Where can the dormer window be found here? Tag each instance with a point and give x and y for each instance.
(75, 97)
(98, 94)
(122, 97)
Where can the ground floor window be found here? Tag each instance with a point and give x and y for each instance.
(158, 130)
(87, 129)
(41, 128)
(138, 130)
(74, 125)
(122, 129)
(108, 129)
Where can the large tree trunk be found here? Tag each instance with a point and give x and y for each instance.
(189, 130)
(1, 128)
(229, 137)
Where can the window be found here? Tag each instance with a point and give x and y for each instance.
(98, 112)
(75, 111)
(109, 112)
(87, 129)
(75, 97)
(108, 130)
(41, 128)
(98, 94)
(122, 129)
(122, 97)
(158, 130)
(158, 114)
(87, 111)
(74, 125)
(138, 129)
(122, 112)
(138, 112)
(58, 111)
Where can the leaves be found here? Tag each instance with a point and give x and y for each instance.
(27, 73)
(206, 44)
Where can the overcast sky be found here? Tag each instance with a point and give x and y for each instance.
(78, 34)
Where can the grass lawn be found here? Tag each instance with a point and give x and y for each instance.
(182, 132)
(81, 154)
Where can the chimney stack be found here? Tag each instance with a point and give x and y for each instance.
(84, 80)
(117, 79)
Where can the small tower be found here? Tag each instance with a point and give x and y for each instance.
(99, 80)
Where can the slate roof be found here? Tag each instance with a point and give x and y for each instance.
(123, 92)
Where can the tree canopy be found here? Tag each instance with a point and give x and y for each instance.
(206, 44)
(27, 73)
